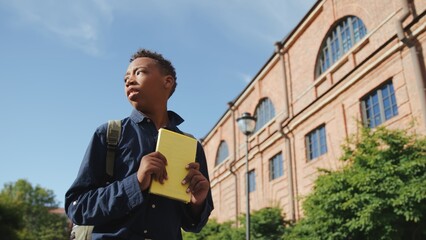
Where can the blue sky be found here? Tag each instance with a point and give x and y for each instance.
(62, 65)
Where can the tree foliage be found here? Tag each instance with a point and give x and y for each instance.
(31, 214)
(267, 223)
(214, 230)
(10, 222)
(379, 194)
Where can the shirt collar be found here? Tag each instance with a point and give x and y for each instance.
(174, 118)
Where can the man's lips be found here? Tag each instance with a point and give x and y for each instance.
(132, 92)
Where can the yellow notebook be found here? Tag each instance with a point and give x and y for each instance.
(179, 151)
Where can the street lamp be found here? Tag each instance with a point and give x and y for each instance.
(247, 123)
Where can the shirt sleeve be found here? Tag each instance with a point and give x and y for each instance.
(196, 223)
(91, 199)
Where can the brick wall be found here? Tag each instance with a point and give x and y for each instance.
(332, 99)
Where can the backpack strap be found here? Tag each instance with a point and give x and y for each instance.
(113, 136)
(84, 232)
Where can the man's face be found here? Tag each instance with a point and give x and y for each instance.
(144, 85)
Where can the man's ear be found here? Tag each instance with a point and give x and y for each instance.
(169, 82)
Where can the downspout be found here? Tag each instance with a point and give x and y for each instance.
(234, 161)
(410, 42)
(280, 51)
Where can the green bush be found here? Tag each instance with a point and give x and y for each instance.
(267, 223)
(379, 194)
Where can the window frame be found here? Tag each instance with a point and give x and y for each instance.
(318, 147)
(334, 46)
(219, 153)
(273, 166)
(381, 115)
(267, 109)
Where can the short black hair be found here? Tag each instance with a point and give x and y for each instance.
(165, 65)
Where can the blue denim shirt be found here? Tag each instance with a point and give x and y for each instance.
(117, 207)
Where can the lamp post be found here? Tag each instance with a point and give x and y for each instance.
(247, 123)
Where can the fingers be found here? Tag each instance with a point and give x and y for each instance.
(159, 156)
(156, 166)
(197, 184)
(192, 168)
(152, 166)
(197, 181)
(193, 165)
(157, 170)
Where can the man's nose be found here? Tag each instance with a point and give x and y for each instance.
(130, 81)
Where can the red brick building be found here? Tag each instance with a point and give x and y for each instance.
(345, 62)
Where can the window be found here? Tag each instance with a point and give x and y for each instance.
(222, 153)
(264, 113)
(252, 181)
(316, 143)
(276, 167)
(340, 40)
(379, 106)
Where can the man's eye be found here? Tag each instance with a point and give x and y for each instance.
(138, 72)
(125, 80)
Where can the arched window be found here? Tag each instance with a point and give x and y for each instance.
(222, 153)
(339, 40)
(264, 113)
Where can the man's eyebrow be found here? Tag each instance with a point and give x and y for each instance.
(136, 68)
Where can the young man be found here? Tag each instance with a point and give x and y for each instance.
(123, 208)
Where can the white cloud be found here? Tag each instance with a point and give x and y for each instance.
(262, 22)
(83, 23)
(78, 24)
(246, 78)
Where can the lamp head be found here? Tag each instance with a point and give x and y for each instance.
(246, 123)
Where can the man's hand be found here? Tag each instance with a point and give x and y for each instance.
(152, 165)
(198, 184)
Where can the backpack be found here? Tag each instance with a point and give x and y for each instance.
(84, 232)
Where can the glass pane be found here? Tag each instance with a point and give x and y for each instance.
(376, 109)
(388, 113)
(276, 169)
(314, 140)
(386, 102)
(222, 153)
(323, 141)
(326, 59)
(278, 166)
(264, 113)
(252, 182)
(335, 48)
(377, 120)
(368, 111)
(355, 27)
(309, 146)
(346, 37)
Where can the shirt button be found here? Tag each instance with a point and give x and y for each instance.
(153, 206)
(148, 120)
(74, 203)
(145, 231)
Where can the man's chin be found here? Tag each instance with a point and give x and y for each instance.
(138, 106)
